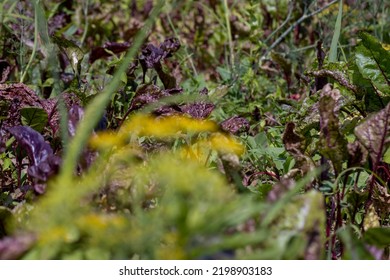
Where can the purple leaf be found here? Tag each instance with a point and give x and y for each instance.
(373, 133)
(198, 110)
(235, 125)
(43, 163)
(14, 97)
(101, 52)
(170, 46)
(12, 248)
(293, 143)
(151, 57)
(148, 94)
(32, 142)
(333, 144)
(5, 70)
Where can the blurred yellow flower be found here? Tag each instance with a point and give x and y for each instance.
(226, 144)
(165, 127)
(106, 140)
(386, 46)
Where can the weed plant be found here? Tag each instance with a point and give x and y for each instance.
(194, 129)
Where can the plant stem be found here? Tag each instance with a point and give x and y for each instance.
(34, 50)
(301, 19)
(185, 46)
(85, 11)
(290, 9)
(229, 31)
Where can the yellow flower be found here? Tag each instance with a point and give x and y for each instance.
(106, 140)
(197, 152)
(226, 144)
(386, 46)
(165, 127)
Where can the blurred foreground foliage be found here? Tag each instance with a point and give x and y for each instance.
(194, 130)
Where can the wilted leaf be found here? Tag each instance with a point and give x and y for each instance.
(235, 125)
(374, 134)
(293, 142)
(381, 200)
(333, 144)
(34, 117)
(371, 220)
(5, 70)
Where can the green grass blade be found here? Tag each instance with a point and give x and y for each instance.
(95, 109)
(336, 35)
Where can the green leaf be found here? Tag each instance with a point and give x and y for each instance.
(386, 157)
(41, 24)
(354, 247)
(379, 237)
(224, 73)
(336, 35)
(380, 55)
(34, 117)
(374, 102)
(74, 54)
(373, 62)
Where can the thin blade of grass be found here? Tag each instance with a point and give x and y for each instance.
(336, 35)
